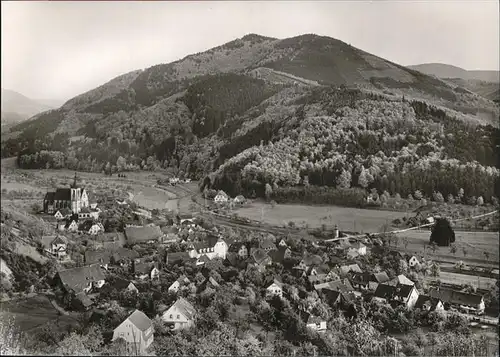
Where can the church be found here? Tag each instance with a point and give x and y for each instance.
(74, 198)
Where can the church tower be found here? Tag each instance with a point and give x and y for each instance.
(75, 196)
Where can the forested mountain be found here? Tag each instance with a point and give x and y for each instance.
(442, 70)
(301, 112)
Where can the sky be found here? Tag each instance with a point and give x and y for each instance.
(57, 50)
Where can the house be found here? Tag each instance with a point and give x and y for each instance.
(177, 257)
(80, 279)
(259, 258)
(212, 247)
(96, 228)
(71, 226)
(74, 198)
(429, 219)
(314, 323)
(470, 303)
(427, 303)
(55, 245)
(84, 213)
(280, 255)
(110, 240)
(122, 256)
(413, 262)
(123, 284)
(376, 279)
(208, 283)
(308, 261)
(137, 331)
(145, 270)
(282, 243)
(240, 248)
(101, 257)
(401, 294)
(82, 301)
(202, 259)
(345, 269)
(400, 279)
(62, 213)
(180, 315)
(142, 234)
(360, 281)
(93, 205)
(174, 287)
(239, 199)
(221, 197)
(336, 298)
(343, 286)
(267, 245)
(275, 289)
(317, 270)
(356, 249)
(317, 278)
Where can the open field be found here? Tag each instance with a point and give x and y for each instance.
(34, 313)
(347, 219)
(475, 244)
(463, 279)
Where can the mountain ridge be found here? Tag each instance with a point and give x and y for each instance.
(17, 107)
(200, 112)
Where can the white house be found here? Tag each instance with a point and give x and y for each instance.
(175, 286)
(71, 227)
(239, 199)
(315, 323)
(55, 245)
(404, 294)
(221, 197)
(180, 315)
(137, 331)
(275, 289)
(96, 228)
(212, 247)
(357, 248)
(282, 243)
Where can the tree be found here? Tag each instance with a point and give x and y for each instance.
(269, 191)
(451, 199)
(464, 251)
(435, 269)
(442, 234)
(480, 201)
(121, 164)
(344, 179)
(365, 178)
(418, 195)
(36, 207)
(460, 194)
(453, 249)
(107, 169)
(438, 197)
(72, 345)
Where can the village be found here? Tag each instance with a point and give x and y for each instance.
(183, 258)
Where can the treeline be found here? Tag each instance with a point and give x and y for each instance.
(350, 197)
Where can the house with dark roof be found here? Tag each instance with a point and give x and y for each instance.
(467, 302)
(314, 323)
(101, 257)
(336, 298)
(340, 285)
(208, 283)
(137, 331)
(55, 245)
(427, 303)
(280, 255)
(267, 245)
(177, 258)
(82, 301)
(240, 248)
(400, 279)
(202, 259)
(143, 234)
(401, 294)
(110, 240)
(344, 270)
(180, 315)
(145, 270)
(123, 284)
(212, 246)
(62, 213)
(81, 279)
(259, 258)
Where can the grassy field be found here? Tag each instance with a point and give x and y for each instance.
(34, 313)
(347, 219)
(475, 244)
(463, 279)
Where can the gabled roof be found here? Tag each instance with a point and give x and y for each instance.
(84, 299)
(140, 320)
(312, 259)
(381, 277)
(120, 283)
(47, 241)
(142, 234)
(422, 299)
(385, 291)
(177, 257)
(64, 211)
(344, 269)
(208, 242)
(98, 256)
(259, 255)
(112, 237)
(185, 308)
(84, 210)
(79, 278)
(276, 281)
(317, 278)
(267, 244)
(278, 255)
(338, 285)
(124, 253)
(236, 246)
(456, 297)
(203, 259)
(143, 268)
(62, 194)
(403, 291)
(400, 279)
(86, 225)
(222, 194)
(69, 222)
(49, 196)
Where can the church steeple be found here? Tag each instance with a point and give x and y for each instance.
(74, 185)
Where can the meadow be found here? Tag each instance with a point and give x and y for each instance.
(463, 279)
(347, 219)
